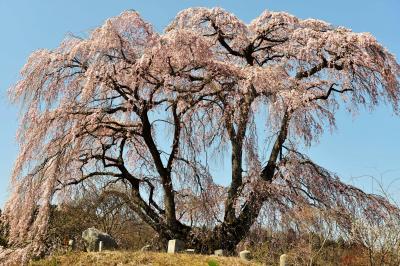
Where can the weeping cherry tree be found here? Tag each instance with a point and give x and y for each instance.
(148, 117)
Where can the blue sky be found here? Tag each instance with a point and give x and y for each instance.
(368, 145)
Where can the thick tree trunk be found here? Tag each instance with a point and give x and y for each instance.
(225, 236)
(234, 227)
(229, 216)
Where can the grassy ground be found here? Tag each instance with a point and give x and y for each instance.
(139, 258)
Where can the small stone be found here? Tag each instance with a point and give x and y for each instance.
(175, 245)
(245, 255)
(190, 250)
(71, 245)
(219, 252)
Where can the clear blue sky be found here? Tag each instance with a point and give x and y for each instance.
(368, 145)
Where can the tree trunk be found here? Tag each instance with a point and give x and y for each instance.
(234, 228)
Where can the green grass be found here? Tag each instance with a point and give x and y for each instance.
(213, 263)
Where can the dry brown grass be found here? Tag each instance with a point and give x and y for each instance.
(140, 258)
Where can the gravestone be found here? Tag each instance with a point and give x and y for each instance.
(219, 252)
(245, 255)
(175, 245)
(283, 260)
(71, 245)
(92, 238)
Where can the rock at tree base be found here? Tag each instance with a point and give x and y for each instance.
(175, 245)
(92, 238)
(245, 255)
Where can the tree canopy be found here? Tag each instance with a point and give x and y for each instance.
(141, 114)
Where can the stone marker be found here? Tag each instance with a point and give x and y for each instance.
(175, 245)
(145, 248)
(245, 255)
(71, 245)
(100, 246)
(190, 250)
(92, 238)
(219, 252)
(283, 260)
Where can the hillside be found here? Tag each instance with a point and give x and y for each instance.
(139, 258)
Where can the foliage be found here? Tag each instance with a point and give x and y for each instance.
(3, 232)
(139, 115)
(381, 240)
(311, 239)
(212, 262)
(108, 214)
(309, 249)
